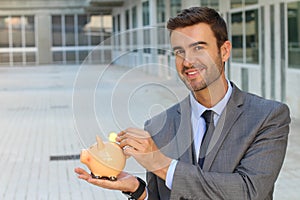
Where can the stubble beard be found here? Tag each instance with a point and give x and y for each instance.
(208, 79)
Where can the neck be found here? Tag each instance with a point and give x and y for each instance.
(213, 93)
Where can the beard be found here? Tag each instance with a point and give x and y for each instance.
(212, 73)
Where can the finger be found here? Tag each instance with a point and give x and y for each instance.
(82, 174)
(138, 133)
(135, 143)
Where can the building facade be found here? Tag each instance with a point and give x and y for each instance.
(56, 31)
(265, 36)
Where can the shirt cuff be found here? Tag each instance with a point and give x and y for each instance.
(170, 174)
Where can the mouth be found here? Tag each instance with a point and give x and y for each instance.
(193, 73)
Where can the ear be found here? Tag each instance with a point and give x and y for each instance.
(226, 50)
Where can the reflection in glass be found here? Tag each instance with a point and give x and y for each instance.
(160, 11)
(146, 14)
(56, 31)
(69, 30)
(82, 36)
(4, 41)
(210, 3)
(252, 38)
(294, 34)
(16, 29)
(175, 7)
(29, 31)
(237, 37)
(250, 2)
(236, 3)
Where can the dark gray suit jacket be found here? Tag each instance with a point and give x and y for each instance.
(245, 154)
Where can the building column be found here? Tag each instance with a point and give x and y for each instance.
(43, 38)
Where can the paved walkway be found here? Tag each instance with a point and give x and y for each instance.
(38, 123)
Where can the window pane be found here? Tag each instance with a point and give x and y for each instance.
(56, 31)
(250, 2)
(175, 7)
(17, 57)
(4, 41)
(82, 30)
(252, 39)
(69, 30)
(160, 11)
(237, 37)
(30, 57)
(4, 58)
(95, 28)
(210, 3)
(294, 34)
(147, 40)
(57, 56)
(70, 56)
(29, 31)
(127, 19)
(83, 55)
(134, 17)
(236, 3)
(146, 13)
(16, 25)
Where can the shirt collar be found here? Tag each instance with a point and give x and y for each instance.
(198, 109)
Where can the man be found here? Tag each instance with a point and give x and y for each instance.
(237, 153)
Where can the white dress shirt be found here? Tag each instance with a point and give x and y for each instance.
(199, 126)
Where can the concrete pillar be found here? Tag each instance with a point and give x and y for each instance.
(44, 41)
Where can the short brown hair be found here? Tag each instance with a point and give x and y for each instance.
(195, 15)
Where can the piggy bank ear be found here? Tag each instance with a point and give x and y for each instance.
(100, 144)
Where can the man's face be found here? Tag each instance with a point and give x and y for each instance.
(198, 59)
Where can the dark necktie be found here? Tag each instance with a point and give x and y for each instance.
(208, 116)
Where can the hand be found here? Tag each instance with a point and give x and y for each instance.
(125, 182)
(139, 144)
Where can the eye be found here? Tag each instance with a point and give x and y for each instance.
(198, 48)
(178, 52)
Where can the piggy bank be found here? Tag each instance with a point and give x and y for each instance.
(104, 159)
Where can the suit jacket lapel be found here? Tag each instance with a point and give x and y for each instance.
(184, 135)
(227, 119)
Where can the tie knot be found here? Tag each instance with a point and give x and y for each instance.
(208, 116)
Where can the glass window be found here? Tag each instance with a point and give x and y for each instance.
(294, 34)
(250, 2)
(95, 29)
(56, 31)
(236, 3)
(127, 19)
(70, 30)
(210, 3)
(146, 14)
(175, 7)
(82, 30)
(241, 3)
(245, 43)
(237, 37)
(147, 41)
(4, 40)
(134, 17)
(16, 28)
(252, 38)
(29, 31)
(160, 12)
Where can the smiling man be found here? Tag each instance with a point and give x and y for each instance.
(219, 142)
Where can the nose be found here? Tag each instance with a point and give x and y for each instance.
(187, 62)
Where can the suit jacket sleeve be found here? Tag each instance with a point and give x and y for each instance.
(256, 148)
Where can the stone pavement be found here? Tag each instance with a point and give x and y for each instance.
(38, 122)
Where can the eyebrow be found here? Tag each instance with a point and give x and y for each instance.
(191, 45)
